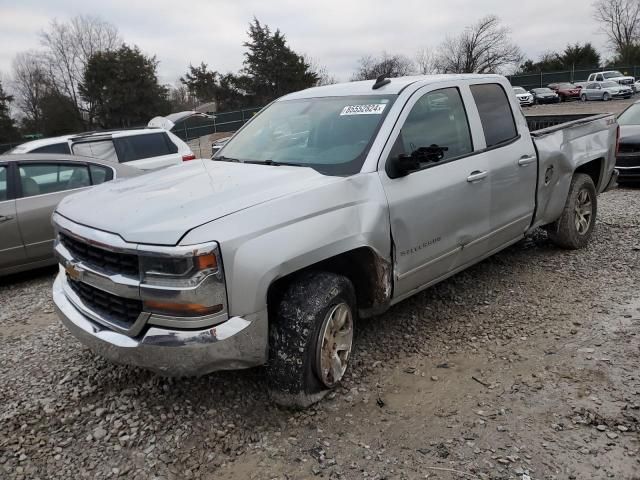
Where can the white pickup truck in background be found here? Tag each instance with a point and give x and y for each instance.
(330, 205)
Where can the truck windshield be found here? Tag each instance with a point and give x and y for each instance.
(331, 134)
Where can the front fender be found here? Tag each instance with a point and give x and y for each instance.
(269, 241)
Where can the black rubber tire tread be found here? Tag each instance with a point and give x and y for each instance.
(563, 232)
(294, 332)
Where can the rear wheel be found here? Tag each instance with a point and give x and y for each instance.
(310, 338)
(575, 226)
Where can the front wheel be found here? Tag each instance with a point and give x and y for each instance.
(575, 226)
(606, 97)
(583, 97)
(310, 338)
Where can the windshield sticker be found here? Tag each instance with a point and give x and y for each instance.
(373, 109)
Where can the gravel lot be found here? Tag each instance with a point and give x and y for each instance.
(524, 366)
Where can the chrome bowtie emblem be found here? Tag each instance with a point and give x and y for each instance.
(74, 271)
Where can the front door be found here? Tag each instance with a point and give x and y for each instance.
(11, 249)
(441, 208)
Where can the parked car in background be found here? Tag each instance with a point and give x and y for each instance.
(186, 125)
(628, 158)
(143, 148)
(604, 91)
(334, 203)
(525, 98)
(544, 95)
(218, 144)
(566, 91)
(31, 185)
(612, 76)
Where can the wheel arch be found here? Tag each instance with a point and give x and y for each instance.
(370, 274)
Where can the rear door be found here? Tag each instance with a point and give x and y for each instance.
(41, 186)
(512, 161)
(439, 210)
(12, 250)
(147, 151)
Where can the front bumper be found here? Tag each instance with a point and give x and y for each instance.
(234, 344)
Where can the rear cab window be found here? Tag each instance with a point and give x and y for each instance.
(138, 147)
(495, 113)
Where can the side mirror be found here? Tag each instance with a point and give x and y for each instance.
(401, 165)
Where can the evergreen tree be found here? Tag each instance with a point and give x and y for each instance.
(123, 86)
(271, 68)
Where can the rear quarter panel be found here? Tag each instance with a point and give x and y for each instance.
(561, 152)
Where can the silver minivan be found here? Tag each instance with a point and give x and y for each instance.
(31, 186)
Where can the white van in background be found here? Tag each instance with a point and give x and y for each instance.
(144, 148)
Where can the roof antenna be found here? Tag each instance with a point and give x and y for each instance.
(381, 81)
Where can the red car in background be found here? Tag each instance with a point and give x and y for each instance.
(566, 91)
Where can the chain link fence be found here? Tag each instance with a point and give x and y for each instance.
(5, 147)
(542, 79)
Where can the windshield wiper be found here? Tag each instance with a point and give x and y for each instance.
(222, 158)
(273, 163)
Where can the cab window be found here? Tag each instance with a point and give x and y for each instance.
(436, 126)
(495, 113)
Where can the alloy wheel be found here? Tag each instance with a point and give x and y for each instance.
(334, 345)
(583, 212)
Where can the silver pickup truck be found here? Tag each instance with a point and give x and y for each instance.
(329, 206)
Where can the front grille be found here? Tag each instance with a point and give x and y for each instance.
(105, 260)
(123, 310)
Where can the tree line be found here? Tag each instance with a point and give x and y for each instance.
(86, 77)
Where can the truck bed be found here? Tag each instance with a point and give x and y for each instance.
(563, 144)
(543, 124)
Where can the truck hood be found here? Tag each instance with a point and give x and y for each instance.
(160, 207)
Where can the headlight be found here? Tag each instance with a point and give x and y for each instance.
(184, 281)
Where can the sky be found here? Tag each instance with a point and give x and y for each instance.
(335, 33)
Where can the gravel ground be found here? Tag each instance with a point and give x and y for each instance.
(524, 366)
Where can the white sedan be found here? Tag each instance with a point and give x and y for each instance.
(525, 98)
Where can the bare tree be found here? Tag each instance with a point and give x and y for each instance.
(425, 61)
(30, 85)
(371, 68)
(321, 71)
(619, 21)
(481, 48)
(69, 46)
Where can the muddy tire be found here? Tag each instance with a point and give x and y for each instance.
(575, 226)
(310, 338)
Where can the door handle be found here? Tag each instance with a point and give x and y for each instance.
(526, 160)
(5, 218)
(477, 176)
